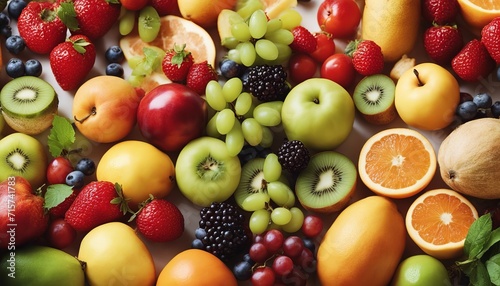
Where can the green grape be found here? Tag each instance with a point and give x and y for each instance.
(211, 127)
(290, 18)
(248, 7)
(266, 49)
(134, 61)
(274, 25)
(225, 121)
(272, 168)
(259, 221)
(255, 202)
(232, 89)
(243, 103)
(234, 55)
(267, 137)
(278, 192)
(229, 42)
(258, 24)
(284, 53)
(295, 223)
(266, 115)
(247, 53)
(234, 139)
(136, 80)
(291, 199)
(252, 131)
(280, 36)
(127, 22)
(241, 32)
(148, 24)
(281, 216)
(214, 96)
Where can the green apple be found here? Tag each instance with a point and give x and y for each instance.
(206, 172)
(318, 112)
(421, 269)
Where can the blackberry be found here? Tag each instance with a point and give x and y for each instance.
(267, 82)
(222, 231)
(293, 156)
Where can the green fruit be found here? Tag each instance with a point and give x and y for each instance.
(374, 98)
(421, 270)
(148, 24)
(41, 265)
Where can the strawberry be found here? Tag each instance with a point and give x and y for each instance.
(441, 12)
(199, 75)
(159, 220)
(176, 63)
(62, 208)
(40, 27)
(97, 203)
(72, 60)
(303, 40)
(165, 7)
(442, 43)
(367, 56)
(490, 36)
(473, 62)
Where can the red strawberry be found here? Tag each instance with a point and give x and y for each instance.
(303, 40)
(490, 36)
(441, 12)
(473, 62)
(367, 56)
(199, 75)
(165, 7)
(97, 203)
(61, 209)
(160, 220)
(442, 43)
(176, 63)
(40, 27)
(72, 60)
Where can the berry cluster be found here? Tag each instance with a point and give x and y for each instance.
(477, 106)
(114, 57)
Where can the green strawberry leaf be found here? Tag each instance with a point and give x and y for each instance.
(67, 14)
(61, 136)
(56, 194)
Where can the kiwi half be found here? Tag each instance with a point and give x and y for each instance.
(327, 183)
(28, 104)
(374, 98)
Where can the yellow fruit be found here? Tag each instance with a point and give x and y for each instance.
(467, 158)
(196, 267)
(364, 244)
(478, 13)
(273, 8)
(115, 255)
(393, 25)
(140, 168)
(202, 12)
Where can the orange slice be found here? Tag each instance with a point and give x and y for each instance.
(478, 13)
(438, 222)
(397, 162)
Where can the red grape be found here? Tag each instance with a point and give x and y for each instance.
(58, 169)
(273, 240)
(258, 252)
(263, 276)
(295, 278)
(293, 246)
(60, 234)
(306, 261)
(301, 67)
(282, 265)
(312, 226)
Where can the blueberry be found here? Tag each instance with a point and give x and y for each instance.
(6, 31)
(33, 67)
(4, 20)
(229, 68)
(114, 54)
(15, 7)
(15, 68)
(86, 166)
(114, 69)
(15, 44)
(75, 179)
(498, 73)
(309, 243)
(198, 244)
(247, 258)
(495, 109)
(200, 233)
(483, 100)
(243, 270)
(467, 110)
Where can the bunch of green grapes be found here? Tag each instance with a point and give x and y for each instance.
(239, 118)
(259, 40)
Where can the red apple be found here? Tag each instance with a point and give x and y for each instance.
(171, 115)
(340, 18)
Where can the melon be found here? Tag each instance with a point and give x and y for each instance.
(468, 158)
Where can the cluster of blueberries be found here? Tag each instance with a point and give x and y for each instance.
(477, 106)
(84, 167)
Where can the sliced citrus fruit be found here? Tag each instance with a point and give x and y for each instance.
(478, 13)
(273, 8)
(397, 162)
(438, 222)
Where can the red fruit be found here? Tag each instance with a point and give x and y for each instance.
(301, 67)
(442, 12)
(165, 7)
(61, 209)
(473, 62)
(57, 170)
(339, 17)
(60, 234)
(367, 57)
(97, 203)
(160, 220)
(325, 47)
(176, 63)
(312, 226)
(72, 60)
(490, 36)
(442, 43)
(199, 75)
(303, 40)
(40, 27)
(339, 68)
(134, 5)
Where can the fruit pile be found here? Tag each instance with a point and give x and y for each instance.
(246, 142)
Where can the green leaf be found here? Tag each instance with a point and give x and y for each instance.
(56, 194)
(61, 136)
(67, 14)
(480, 276)
(493, 267)
(493, 239)
(477, 236)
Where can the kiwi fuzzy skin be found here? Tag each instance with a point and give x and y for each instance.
(30, 125)
(382, 118)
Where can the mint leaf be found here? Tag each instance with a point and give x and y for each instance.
(477, 236)
(61, 136)
(493, 267)
(56, 194)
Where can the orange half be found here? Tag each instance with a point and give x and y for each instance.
(397, 162)
(478, 13)
(438, 222)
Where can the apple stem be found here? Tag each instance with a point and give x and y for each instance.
(418, 78)
(92, 112)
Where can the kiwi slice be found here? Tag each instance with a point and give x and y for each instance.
(327, 183)
(23, 155)
(374, 98)
(28, 104)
